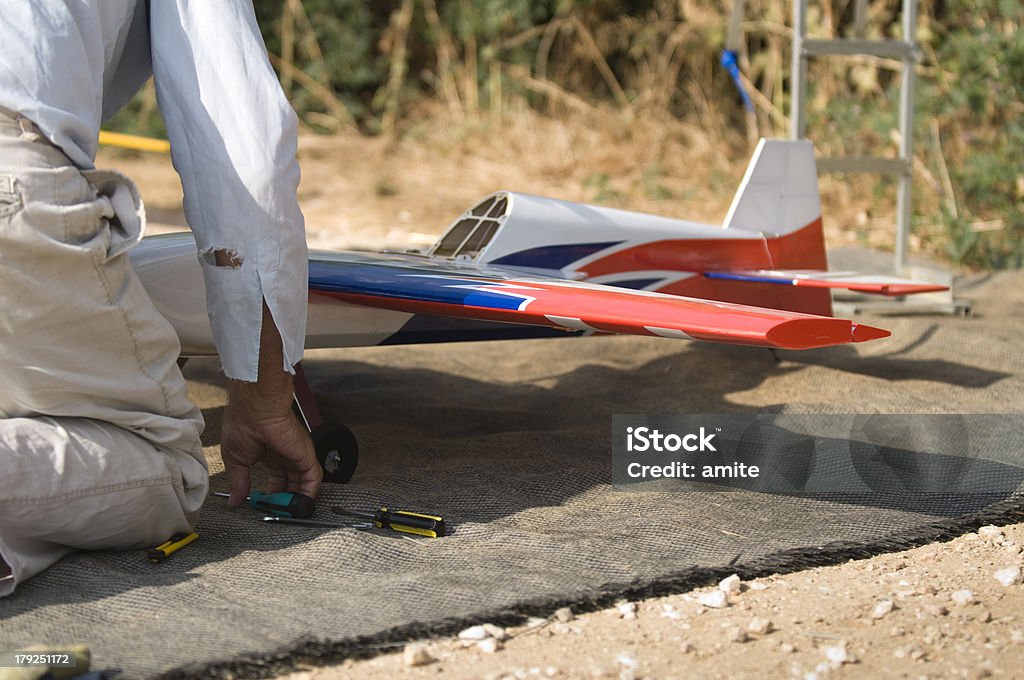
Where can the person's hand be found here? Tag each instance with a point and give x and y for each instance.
(260, 428)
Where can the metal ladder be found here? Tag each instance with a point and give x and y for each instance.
(906, 50)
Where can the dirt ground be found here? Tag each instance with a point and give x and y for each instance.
(900, 615)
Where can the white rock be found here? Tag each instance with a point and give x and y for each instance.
(1010, 576)
(624, 659)
(551, 671)
(416, 654)
(837, 655)
(535, 622)
(961, 597)
(760, 625)
(627, 610)
(736, 634)
(496, 632)
(687, 648)
(716, 599)
(564, 615)
(474, 633)
(730, 584)
(991, 533)
(787, 648)
(488, 645)
(882, 608)
(757, 585)
(1017, 637)
(670, 612)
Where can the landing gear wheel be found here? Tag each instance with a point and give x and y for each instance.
(337, 450)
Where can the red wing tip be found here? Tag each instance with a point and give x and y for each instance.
(862, 333)
(814, 332)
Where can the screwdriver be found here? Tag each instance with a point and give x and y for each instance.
(282, 503)
(305, 522)
(401, 520)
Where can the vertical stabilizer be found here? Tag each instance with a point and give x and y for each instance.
(779, 192)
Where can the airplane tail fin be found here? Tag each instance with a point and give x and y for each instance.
(779, 192)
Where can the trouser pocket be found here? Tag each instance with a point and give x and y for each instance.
(10, 200)
(98, 211)
(128, 222)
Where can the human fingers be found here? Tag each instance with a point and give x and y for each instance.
(238, 478)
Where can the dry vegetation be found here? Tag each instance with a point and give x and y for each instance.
(625, 103)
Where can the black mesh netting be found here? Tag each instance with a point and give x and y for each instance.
(510, 441)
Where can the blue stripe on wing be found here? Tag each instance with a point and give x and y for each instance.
(553, 257)
(403, 283)
(734, 276)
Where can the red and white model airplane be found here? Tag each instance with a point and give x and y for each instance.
(522, 266)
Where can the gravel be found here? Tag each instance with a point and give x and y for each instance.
(716, 599)
(962, 597)
(416, 654)
(627, 610)
(730, 584)
(474, 633)
(1010, 576)
(882, 609)
(488, 645)
(564, 615)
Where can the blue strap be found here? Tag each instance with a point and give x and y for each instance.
(732, 66)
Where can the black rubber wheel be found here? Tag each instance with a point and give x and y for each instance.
(337, 450)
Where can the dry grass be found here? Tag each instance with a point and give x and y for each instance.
(360, 191)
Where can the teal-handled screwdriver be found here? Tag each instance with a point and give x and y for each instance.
(281, 504)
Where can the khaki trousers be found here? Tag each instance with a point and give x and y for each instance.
(99, 444)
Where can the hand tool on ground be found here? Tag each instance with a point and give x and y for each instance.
(401, 520)
(282, 503)
(171, 545)
(307, 522)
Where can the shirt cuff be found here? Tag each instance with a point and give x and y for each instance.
(276, 273)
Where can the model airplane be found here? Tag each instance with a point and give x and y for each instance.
(522, 266)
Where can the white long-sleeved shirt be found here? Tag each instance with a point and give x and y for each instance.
(68, 65)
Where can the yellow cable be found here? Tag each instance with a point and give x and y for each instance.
(134, 142)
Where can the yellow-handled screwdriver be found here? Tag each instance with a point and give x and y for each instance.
(170, 546)
(401, 520)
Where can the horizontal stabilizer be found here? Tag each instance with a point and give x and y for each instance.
(861, 283)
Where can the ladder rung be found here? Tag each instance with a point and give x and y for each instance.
(887, 166)
(892, 49)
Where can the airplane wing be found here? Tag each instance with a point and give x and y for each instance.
(861, 283)
(420, 286)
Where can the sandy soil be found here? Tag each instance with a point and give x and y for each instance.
(829, 622)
